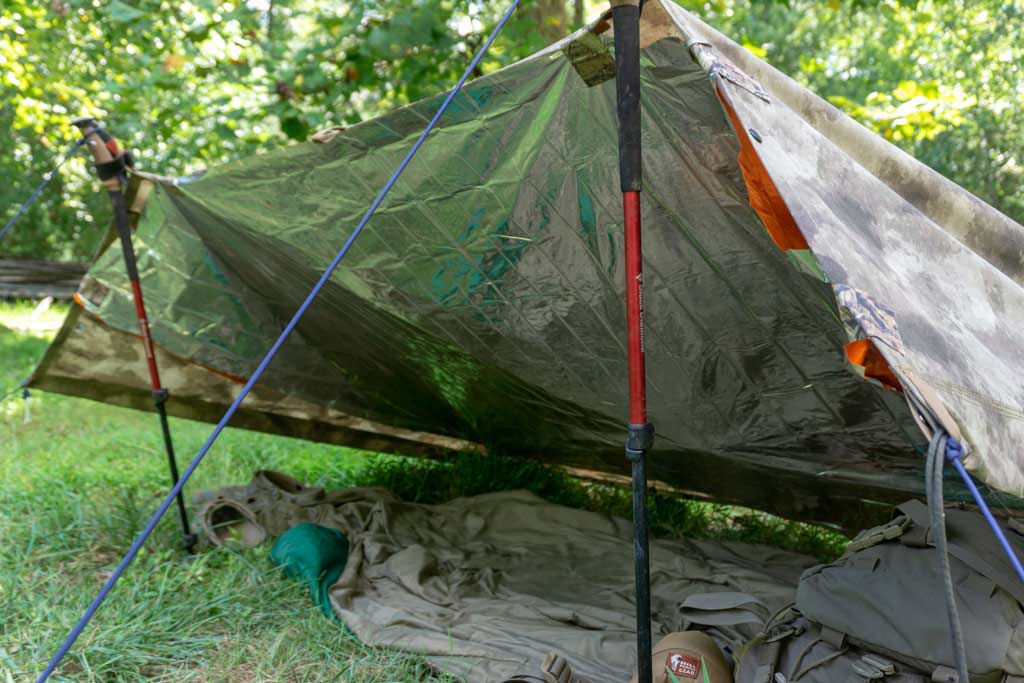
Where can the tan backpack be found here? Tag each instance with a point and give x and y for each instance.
(878, 612)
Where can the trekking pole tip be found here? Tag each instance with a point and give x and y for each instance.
(191, 543)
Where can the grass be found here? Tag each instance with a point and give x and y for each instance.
(80, 478)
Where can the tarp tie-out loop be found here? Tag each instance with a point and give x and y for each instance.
(46, 181)
(94, 606)
(954, 453)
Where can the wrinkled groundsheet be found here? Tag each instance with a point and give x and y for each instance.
(485, 586)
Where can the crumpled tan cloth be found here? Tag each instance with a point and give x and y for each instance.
(486, 586)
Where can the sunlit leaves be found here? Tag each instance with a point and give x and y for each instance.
(191, 83)
(912, 111)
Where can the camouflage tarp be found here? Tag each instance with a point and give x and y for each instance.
(484, 305)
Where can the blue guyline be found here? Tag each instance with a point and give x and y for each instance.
(46, 181)
(954, 450)
(137, 545)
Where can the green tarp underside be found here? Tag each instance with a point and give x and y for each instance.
(485, 300)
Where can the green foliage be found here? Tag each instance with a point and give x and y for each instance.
(191, 84)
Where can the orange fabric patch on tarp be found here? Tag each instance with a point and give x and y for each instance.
(865, 354)
(764, 196)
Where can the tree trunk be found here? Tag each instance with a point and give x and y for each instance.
(550, 17)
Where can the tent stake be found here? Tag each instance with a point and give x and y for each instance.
(626, 27)
(111, 167)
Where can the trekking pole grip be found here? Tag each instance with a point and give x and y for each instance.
(626, 27)
(110, 162)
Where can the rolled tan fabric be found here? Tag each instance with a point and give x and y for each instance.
(286, 487)
(225, 521)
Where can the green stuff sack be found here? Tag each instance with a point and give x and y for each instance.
(315, 555)
(885, 595)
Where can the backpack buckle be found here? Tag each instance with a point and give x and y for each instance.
(866, 671)
(945, 674)
(884, 665)
(879, 534)
(784, 632)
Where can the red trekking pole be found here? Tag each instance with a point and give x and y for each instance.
(626, 27)
(112, 166)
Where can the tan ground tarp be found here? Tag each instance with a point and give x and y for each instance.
(486, 586)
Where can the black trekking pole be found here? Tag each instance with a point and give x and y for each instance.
(626, 27)
(112, 164)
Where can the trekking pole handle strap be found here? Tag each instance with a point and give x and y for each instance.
(110, 162)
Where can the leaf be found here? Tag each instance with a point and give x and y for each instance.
(757, 50)
(174, 62)
(906, 90)
(123, 13)
(295, 128)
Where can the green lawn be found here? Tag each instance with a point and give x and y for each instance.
(79, 479)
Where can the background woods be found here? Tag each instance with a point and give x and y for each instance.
(190, 84)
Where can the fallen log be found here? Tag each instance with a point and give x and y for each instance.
(38, 279)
